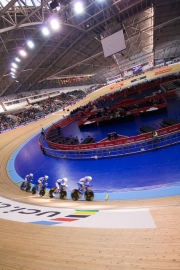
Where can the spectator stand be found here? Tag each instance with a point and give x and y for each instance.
(39, 109)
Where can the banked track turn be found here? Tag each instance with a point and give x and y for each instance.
(27, 246)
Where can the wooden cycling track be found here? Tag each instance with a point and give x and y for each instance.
(27, 246)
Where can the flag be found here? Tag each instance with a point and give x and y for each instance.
(125, 72)
(150, 63)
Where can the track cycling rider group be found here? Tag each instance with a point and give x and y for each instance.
(83, 183)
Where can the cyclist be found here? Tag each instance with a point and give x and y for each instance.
(83, 183)
(42, 181)
(60, 184)
(28, 178)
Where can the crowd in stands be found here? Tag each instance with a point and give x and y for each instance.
(10, 121)
(55, 135)
(39, 110)
(101, 102)
(120, 111)
(44, 107)
(94, 88)
(172, 85)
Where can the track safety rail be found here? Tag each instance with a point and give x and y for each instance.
(141, 146)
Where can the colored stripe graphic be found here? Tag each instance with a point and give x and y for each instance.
(78, 216)
(86, 210)
(65, 219)
(85, 213)
(45, 222)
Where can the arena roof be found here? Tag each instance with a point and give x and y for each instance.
(151, 30)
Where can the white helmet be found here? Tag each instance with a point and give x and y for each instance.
(89, 178)
(64, 179)
(46, 177)
(31, 175)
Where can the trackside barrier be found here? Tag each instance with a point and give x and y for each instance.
(142, 143)
(118, 142)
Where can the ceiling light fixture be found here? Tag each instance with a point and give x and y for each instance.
(79, 7)
(54, 23)
(30, 44)
(22, 53)
(45, 31)
(14, 65)
(17, 59)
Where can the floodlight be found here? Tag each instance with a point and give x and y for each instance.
(45, 31)
(22, 53)
(54, 24)
(12, 73)
(14, 65)
(78, 7)
(30, 44)
(13, 70)
(17, 59)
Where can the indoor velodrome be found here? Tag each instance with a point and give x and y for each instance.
(39, 232)
(90, 88)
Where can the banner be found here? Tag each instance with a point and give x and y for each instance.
(73, 80)
(114, 79)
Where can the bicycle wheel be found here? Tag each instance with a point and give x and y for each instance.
(28, 187)
(89, 195)
(63, 194)
(22, 186)
(42, 192)
(34, 190)
(75, 195)
(51, 193)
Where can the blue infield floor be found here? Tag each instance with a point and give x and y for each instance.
(145, 175)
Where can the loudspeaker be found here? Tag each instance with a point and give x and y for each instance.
(54, 4)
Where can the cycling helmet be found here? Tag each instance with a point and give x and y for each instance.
(31, 175)
(46, 177)
(64, 179)
(89, 178)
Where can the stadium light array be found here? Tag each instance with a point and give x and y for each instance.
(17, 59)
(78, 7)
(54, 23)
(22, 53)
(14, 65)
(45, 31)
(30, 44)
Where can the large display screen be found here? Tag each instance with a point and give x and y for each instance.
(113, 43)
(137, 69)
